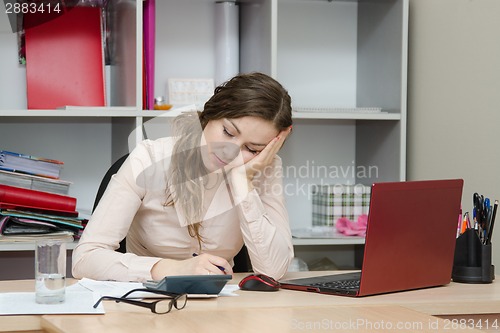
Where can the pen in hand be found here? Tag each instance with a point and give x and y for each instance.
(219, 267)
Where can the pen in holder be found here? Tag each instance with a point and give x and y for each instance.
(472, 263)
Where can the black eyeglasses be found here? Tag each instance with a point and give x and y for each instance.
(161, 306)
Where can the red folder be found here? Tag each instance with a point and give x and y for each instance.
(65, 60)
(12, 197)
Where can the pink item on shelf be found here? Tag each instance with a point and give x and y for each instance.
(149, 52)
(351, 228)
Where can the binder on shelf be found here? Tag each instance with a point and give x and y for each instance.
(33, 182)
(65, 59)
(19, 225)
(31, 200)
(29, 164)
(149, 54)
(144, 87)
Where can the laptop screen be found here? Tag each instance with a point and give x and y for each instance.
(411, 235)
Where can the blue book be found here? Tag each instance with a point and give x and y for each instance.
(33, 165)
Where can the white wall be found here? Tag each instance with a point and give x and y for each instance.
(454, 96)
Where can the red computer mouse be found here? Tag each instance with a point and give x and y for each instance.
(259, 282)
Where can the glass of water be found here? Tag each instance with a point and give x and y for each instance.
(50, 271)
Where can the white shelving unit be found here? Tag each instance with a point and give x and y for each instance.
(328, 54)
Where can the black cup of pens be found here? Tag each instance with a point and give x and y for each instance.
(472, 262)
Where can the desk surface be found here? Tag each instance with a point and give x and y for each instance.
(284, 310)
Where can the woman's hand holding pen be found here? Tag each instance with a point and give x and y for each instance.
(207, 262)
(203, 264)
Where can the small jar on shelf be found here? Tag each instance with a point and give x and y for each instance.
(161, 104)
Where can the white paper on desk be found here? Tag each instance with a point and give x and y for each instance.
(24, 303)
(110, 288)
(229, 290)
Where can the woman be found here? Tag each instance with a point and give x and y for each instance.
(187, 204)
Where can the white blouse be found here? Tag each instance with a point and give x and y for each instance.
(133, 206)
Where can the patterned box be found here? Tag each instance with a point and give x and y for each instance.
(331, 202)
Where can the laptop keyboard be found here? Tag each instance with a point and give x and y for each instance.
(340, 284)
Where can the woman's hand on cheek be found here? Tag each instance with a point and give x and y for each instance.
(266, 156)
(242, 176)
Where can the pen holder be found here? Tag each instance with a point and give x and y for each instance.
(472, 263)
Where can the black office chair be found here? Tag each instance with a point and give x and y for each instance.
(242, 262)
(102, 187)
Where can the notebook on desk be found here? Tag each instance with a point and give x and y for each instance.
(410, 241)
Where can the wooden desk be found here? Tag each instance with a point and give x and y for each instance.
(287, 311)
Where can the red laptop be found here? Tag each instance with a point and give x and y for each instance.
(410, 241)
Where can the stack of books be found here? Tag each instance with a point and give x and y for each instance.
(34, 203)
(32, 172)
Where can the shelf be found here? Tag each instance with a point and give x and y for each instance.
(96, 112)
(87, 112)
(323, 236)
(26, 246)
(329, 241)
(347, 115)
(131, 113)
